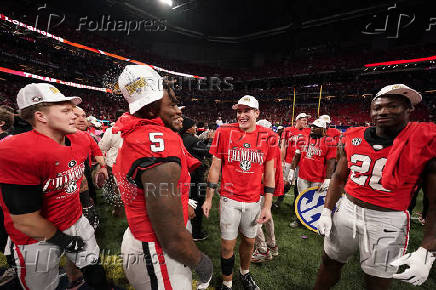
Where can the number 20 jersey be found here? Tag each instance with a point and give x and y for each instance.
(366, 163)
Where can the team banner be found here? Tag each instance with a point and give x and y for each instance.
(98, 51)
(52, 80)
(308, 207)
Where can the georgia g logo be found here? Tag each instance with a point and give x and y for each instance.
(72, 163)
(245, 165)
(308, 207)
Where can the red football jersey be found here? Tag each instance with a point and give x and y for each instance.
(334, 133)
(146, 144)
(314, 156)
(366, 163)
(243, 156)
(32, 158)
(292, 137)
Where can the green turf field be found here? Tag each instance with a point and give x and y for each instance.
(294, 268)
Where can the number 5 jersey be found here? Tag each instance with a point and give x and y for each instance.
(147, 144)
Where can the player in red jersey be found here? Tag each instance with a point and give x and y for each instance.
(316, 159)
(371, 217)
(152, 175)
(40, 181)
(242, 152)
(289, 139)
(330, 132)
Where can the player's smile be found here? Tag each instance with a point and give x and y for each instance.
(387, 111)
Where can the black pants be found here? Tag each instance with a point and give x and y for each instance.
(3, 233)
(198, 193)
(282, 197)
(91, 186)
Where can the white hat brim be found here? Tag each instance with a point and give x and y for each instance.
(138, 104)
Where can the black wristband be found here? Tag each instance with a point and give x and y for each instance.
(268, 189)
(212, 185)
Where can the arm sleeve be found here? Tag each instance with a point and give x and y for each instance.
(22, 199)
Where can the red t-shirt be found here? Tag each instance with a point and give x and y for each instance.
(333, 132)
(243, 156)
(314, 156)
(366, 163)
(146, 144)
(292, 137)
(35, 159)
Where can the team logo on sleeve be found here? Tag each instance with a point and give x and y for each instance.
(356, 141)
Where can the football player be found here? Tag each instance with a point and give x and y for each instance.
(380, 167)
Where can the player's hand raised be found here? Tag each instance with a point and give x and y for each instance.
(265, 215)
(325, 222)
(420, 263)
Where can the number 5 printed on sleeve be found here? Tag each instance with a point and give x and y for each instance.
(158, 142)
(364, 167)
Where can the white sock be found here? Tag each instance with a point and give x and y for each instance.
(243, 272)
(227, 284)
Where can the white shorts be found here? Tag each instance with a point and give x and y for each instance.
(286, 168)
(380, 237)
(303, 184)
(38, 263)
(237, 216)
(147, 267)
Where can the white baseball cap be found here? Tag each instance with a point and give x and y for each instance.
(326, 118)
(247, 100)
(264, 123)
(140, 85)
(302, 115)
(320, 123)
(400, 89)
(33, 94)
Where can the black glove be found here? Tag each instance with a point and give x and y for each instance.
(204, 269)
(71, 244)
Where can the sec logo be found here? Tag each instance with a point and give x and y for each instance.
(308, 207)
